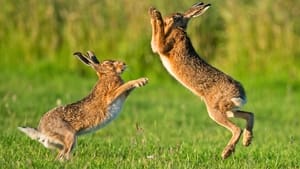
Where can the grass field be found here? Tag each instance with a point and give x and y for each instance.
(161, 125)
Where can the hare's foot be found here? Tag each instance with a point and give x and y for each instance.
(141, 82)
(228, 150)
(247, 137)
(60, 156)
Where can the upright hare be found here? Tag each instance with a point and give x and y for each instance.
(59, 127)
(222, 95)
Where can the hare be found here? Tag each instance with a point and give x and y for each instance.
(223, 96)
(59, 127)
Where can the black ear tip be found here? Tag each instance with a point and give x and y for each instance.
(81, 57)
(201, 4)
(197, 4)
(77, 53)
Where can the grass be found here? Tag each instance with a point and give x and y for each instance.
(161, 125)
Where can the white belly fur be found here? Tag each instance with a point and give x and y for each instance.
(168, 66)
(113, 111)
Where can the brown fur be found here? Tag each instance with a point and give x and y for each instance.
(222, 94)
(60, 127)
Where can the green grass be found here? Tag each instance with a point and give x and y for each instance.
(161, 125)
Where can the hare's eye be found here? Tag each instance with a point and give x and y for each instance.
(176, 18)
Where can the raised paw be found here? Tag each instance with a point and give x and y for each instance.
(141, 82)
(151, 9)
(227, 151)
(247, 137)
(154, 13)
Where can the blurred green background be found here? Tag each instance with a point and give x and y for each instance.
(241, 37)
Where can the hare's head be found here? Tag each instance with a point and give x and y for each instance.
(180, 20)
(104, 67)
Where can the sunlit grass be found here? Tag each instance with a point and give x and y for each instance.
(161, 126)
(259, 36)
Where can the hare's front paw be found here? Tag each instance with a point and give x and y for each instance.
(151, 9)
(154, 13)
(141, 82)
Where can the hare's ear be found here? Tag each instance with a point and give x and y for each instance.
(81, 57)
(196, 10)
(89, 59)
(93, 57)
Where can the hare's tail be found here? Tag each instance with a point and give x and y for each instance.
(31, 132)
(40, 137)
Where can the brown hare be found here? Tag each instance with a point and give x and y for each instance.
(59, 127)
(222, 94)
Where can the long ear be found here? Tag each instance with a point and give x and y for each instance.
(93, 57)
(81, 57)
(196, 10)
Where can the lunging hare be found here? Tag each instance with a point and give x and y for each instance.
(222, 94)
(60, 127)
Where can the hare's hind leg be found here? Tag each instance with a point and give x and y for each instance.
(67, 136)
(69, 140)
(69, 143)
(249, 117)
(222, 119)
